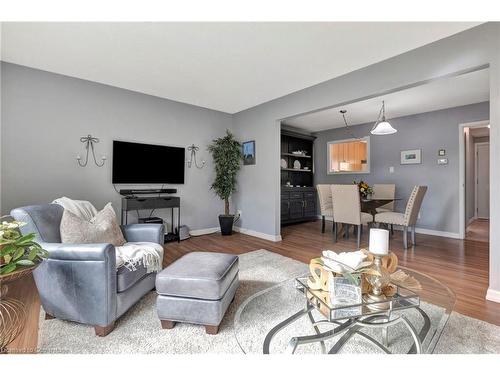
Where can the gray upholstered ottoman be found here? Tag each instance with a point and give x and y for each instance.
(198, 289)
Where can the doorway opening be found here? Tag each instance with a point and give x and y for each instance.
(477, 182)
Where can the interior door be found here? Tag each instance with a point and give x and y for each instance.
(483, 180)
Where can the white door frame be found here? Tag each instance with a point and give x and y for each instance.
(461, 173)
(476, 179)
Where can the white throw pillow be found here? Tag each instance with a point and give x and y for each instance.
(102, 228)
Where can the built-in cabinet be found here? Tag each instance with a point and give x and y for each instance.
(298, 195)
(298, 204)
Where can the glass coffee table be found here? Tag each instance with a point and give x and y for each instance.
(291, 318)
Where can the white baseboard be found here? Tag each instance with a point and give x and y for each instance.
(493, 295)
(253, 233)
(429, 232)
(249, 232)
(201, 232)
(438, 233)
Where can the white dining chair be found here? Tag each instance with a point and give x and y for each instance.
(384, 191)
(408, 219)
(325, 203)
(347, 209)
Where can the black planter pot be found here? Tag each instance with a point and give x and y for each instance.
(226, 224)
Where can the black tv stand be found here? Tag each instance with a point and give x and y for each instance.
(151, 203)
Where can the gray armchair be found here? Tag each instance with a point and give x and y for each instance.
(80, 282)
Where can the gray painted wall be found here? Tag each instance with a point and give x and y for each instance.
(429, 132)
(44, 115)
(260, 184)
(258, 195)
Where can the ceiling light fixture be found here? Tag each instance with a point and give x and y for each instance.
(343, 112)
(382, 126)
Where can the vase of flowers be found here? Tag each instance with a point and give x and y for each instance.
(365, 190)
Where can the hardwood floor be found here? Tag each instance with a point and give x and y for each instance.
(462, 265)
(478, 230)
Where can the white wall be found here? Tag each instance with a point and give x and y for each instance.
(259, 185)
(45, 114)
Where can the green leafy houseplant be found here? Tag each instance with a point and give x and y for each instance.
(227, 156)
(16, 250)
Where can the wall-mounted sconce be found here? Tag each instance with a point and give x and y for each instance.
(89, 146)
(193, 149)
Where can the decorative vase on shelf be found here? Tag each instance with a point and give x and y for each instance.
(296, 164)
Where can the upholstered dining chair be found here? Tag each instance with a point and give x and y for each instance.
(384, 191)
(408, 219)
(325, 203)
(347, 209)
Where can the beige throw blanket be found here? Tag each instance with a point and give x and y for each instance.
(132, 254)
(83, 209)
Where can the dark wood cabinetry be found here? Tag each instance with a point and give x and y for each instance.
(298, 201)
(298, 204)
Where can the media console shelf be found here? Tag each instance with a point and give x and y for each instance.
(150, 203)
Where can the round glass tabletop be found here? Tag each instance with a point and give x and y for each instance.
(281, 319)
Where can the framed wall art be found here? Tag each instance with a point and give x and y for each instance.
(411, 157)
(249, 153)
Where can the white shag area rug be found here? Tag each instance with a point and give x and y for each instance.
(139, 330)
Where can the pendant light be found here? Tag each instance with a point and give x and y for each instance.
(382, 126)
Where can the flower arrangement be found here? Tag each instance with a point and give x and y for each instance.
(17, 250)
(364, 188)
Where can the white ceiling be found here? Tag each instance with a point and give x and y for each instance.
(444, 93)
(223, 66)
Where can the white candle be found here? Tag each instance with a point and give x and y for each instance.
(379, 241)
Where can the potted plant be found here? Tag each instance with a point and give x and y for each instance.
(227, 155)
(18, 251)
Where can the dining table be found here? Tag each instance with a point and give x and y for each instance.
(370, 205)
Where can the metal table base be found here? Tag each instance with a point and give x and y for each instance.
(349, 328)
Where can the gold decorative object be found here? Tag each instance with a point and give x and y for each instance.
(12, 311)
(389, 261)
(378, 281)
(319, 276)
(378, 284)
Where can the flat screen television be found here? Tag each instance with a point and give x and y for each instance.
(139, 163)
